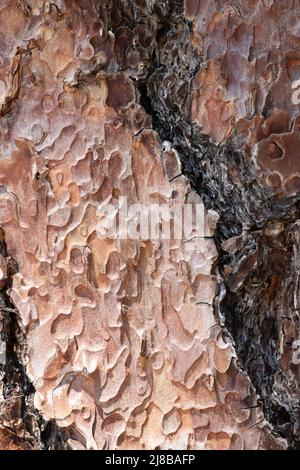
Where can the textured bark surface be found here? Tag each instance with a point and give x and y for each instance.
(128, 344)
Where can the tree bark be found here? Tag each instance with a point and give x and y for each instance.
(149, 342)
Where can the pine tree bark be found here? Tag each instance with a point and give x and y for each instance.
(119, 343)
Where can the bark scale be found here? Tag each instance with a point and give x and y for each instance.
(149, 344)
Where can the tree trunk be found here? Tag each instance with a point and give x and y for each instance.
(145, 339)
